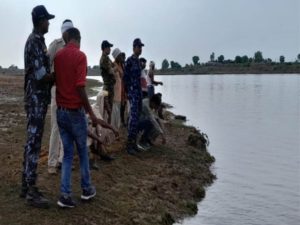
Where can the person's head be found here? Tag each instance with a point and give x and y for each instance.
(66, 25)
(117, 54)
(152, 65)
(123, 57)
(73, 36)
(40, 19)
(143, 63)
(106, 47)
(155, 101)
(137, 47)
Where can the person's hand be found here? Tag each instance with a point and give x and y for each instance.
(49, 77)
(94, 120)
(161, 83)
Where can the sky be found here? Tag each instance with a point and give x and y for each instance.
(173, 29)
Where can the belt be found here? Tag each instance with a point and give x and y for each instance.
(68, 109)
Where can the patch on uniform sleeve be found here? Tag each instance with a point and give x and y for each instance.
(40, 73)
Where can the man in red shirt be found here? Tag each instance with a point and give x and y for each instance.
(70, 65)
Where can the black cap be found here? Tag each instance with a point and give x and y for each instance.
(40, 12)
(138, 42)
(106, 44)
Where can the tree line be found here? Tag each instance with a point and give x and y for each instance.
(257, 58)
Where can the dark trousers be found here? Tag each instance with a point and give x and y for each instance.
(36, 113)
(145, 126)
(135, 99)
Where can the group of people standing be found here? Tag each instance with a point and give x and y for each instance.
(58, 76)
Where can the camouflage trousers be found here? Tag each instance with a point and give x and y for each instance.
(36, 113)
(135, 101)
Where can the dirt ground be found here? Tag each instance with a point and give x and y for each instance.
(159, 186)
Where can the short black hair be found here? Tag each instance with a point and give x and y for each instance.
(67, 20)
(74, 33)
(156, 99)
(143, 60)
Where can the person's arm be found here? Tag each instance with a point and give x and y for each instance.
(151, 75)
(37, 64)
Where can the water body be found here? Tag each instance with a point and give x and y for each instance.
(253, 122)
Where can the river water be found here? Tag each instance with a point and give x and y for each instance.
(253, 123)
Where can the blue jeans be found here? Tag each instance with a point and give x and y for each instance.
(73, 128)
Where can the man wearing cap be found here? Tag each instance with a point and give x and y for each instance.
(55, 146)
(106, 71)
(37, 86)
(132, 80)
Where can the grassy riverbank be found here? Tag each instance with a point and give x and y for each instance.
(156, 187)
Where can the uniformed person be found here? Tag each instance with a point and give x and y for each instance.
(132, 81)
(37, 96)
(107, 73)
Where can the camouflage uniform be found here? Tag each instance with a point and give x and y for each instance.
(37, 96)
(132, 81)
(106, 71)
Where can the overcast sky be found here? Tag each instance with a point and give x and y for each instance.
(171, 29)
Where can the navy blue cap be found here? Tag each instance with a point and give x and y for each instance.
(40, 12)
(138, 42)
(106, 44)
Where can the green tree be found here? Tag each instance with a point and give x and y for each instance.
(221, 58)
(298, 57)
(165, 64)
(212, 57)
(175, 65)
(245, 59)
(258, 57)
(281, 59)
(238, 59)
(196, 60)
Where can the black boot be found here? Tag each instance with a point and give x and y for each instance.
(36, 198)
(131, 148)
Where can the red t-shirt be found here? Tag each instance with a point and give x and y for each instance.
(70, 66)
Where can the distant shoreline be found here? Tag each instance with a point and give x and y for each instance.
(206, 69)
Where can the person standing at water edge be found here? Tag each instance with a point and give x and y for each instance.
(55, 145)
(37, 96)
(150, 80)
(106, 71)
(132, 80)
(144, 75)
(118, 73)
(70, 65)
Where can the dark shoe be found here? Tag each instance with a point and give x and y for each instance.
(88, 193)
(144, 146)
(24, 190)
(130, 148)
(136, 148)
(36, 198)
(93, 165)
(107, 158)
(66, 202)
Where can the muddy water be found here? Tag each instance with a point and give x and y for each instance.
(253, 123)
